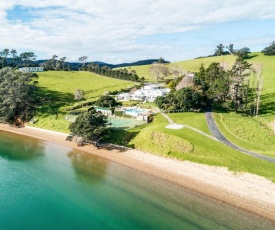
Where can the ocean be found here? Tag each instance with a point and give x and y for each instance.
(44, 185)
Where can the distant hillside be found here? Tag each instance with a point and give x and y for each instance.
(77, 65)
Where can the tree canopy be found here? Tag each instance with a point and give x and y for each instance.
(215, 83)
(106, 101)
(19, 96)
(91, 126)
(159, 70)
(270, 50)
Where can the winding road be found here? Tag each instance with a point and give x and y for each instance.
(216, 133)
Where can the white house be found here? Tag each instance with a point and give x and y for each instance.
(147, 93)
(31, 69)
(123, 97)
(139, 95)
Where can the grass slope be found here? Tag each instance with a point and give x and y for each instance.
(190, 65)
(205, 150)
(247, 132)
(196, 120)
(59, 87)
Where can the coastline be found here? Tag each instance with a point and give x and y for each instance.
(243, 190)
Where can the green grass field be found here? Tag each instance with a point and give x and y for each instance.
(196, 120)
(247, 132)
(205, 150)
(59, 88)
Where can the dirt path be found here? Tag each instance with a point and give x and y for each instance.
(189, 127)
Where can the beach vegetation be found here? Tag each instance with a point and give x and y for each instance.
(91, 126)
(19, 96)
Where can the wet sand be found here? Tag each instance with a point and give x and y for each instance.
(243, 190)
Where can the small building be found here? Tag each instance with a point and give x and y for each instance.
(31, 69)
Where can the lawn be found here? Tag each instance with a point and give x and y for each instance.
(155, 138)
(58, 89)
(196, 120)
(247, 132)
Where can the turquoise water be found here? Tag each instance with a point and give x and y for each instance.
(47, 186)
(134, 112)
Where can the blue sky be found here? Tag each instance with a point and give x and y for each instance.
(118, 31)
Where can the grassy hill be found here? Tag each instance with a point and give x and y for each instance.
(252, 133)
(59, 88)
(190, 65)
(156, 139)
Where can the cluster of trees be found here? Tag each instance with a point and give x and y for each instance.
(55, 64)
(183, 99)
(91, 126)
(269, 50)
(215, 83)
(241, 53)
(19, 96)
(123, 74)
(106, 101)
(12, 59)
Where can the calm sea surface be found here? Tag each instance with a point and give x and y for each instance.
(47, 186)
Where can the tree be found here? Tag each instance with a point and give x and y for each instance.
(230, 48)
(257, 86)
(270, 50)
(159, 70)
(78, 95)
(63, 63)
(243, 53)
(239, 75)
(4, 56)
(14, 57)
(187, 98)
(217, 81)
(27, 58)
(177, 71)
(161, 60)
(219, 50)
(106, 101)
(19, 97)
(91, 126)
(83, 60)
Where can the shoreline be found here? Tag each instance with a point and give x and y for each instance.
(246, 191)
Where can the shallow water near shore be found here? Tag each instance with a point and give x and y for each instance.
(44, 185)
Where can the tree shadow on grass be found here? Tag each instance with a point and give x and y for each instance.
(51, 101)
(251, 56)
(267, 105)
(122, 137)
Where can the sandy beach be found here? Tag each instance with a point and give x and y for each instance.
(243, 190)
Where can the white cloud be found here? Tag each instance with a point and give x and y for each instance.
(110, 29)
